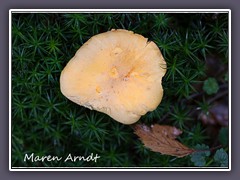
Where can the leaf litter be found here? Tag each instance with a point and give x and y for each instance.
(162, 139)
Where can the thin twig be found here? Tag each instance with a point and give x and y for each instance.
(219, 95)
(205, 150)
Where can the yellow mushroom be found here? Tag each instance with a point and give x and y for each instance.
(118, 73)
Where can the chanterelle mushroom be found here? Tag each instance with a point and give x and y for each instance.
(118, 73)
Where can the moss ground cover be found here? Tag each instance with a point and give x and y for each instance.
(44, 122)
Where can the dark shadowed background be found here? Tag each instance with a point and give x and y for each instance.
(4, 79)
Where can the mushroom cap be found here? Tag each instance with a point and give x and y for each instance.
(118, 73)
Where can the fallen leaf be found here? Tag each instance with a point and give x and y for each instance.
(162, 139)
(217, 115)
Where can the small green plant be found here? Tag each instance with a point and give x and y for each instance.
(221, 158)
(210, 86)
(223, 136)
(199, 158)
(202, 158)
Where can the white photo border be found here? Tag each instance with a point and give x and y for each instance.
(116, 11)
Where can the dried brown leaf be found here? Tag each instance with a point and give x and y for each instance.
(217, 115)
(162, 139)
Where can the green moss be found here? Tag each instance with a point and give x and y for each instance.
(44, 122)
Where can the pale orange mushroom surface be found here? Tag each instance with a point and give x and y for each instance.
(118, 73)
